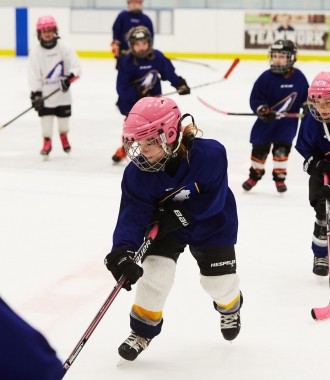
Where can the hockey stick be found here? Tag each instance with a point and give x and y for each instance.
(320, 313)
(30, 108)
(228, 72)
(151, 235)
(279, 115)
(194, 63)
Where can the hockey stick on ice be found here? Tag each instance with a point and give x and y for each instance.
(280, 115)
(30, 108)
(320, 313)
(138, 256)
(228, 72)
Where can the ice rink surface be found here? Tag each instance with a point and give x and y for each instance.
(57, 219)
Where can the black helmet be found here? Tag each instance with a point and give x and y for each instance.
(139, 33)
(283, 46)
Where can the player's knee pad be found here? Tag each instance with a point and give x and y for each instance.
(281, 150)
(222, 289)
(63, 124)
(155, 284)
(47, 125)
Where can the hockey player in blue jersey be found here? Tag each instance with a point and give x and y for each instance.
(140, 73)
(126, 20)
(25, 354)
(313, 143)
(168, 161)
(282, 88)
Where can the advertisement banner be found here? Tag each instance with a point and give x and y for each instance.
(308, 31)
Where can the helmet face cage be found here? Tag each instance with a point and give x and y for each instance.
(139, 33)
(287, 48)
(133, 151)
(319, 91)
(152, 120)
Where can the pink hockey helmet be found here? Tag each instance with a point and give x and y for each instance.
(46, 22)
(152, 118)
(319, 90)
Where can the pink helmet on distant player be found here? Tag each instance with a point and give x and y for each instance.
(46, 22)
(319, 90)
(155, 119)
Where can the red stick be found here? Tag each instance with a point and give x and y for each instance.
(231, 68)
(228, 72)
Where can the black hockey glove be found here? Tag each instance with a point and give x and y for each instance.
(323, 193)
(120, 263)
(66, 83)
(182, 87)
(36, 100)
(265, 113)
(316, 167)
(170, 217)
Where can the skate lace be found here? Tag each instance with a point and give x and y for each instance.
(137, 342)
(229, 321)
(323, 261)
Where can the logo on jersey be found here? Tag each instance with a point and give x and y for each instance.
(56, 73)
(284, 105)
(148, 81)
(182, 196)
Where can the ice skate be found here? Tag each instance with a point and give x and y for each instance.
(230, 325)
(65, 142)
(132, 347)
(281, 186)
(47, 147)
(321, 266)
(119, 155)
(248, 184)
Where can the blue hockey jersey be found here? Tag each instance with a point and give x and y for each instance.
(282, 95)
(24, 353)
(127, 20)
(312, 139)
(134, 72)
(212, 207)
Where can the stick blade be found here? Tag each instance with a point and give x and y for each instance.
(321, 313)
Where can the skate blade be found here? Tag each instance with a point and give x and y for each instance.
(122, 362)
(321, 279)
(45, 157)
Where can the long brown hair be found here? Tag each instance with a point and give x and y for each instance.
(188, 136)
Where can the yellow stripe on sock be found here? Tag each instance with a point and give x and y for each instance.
(229, 305)
(148, 314)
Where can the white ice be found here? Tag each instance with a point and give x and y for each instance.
(57, 219)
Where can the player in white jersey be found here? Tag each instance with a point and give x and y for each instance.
(52, 66)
